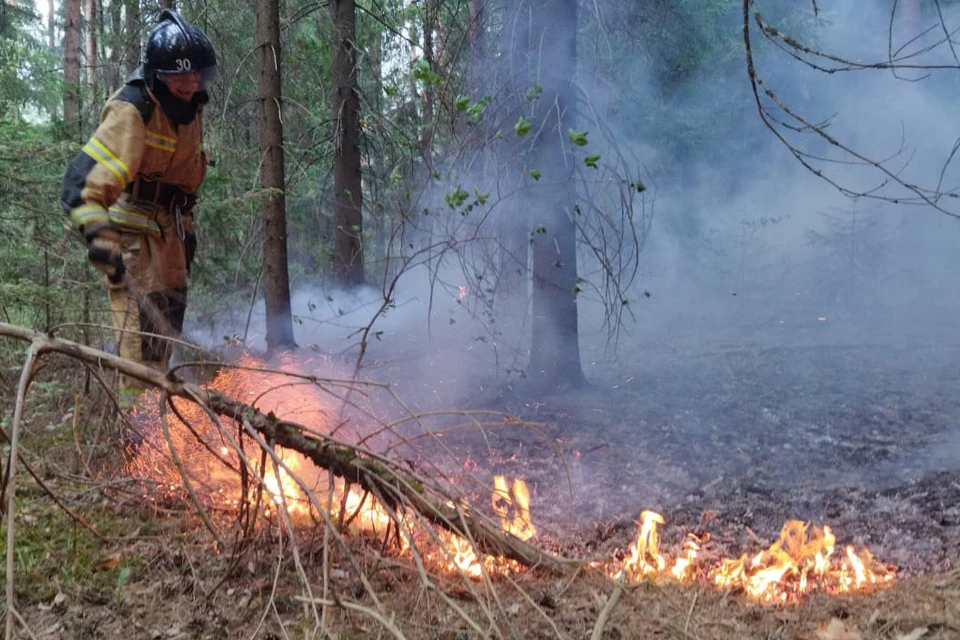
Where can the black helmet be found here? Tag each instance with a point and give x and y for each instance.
(175, 47)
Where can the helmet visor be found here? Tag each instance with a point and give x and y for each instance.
(195, 80)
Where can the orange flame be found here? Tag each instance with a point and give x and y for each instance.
(803, 559)
(645, 558)
(512, 506)
(800, 561)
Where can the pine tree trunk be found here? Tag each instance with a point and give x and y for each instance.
(51, 24)
(71, 69)
(347, 186)
(131, 30)
(512, 298)
(276, 278)
(91, 58)
(555, 347)
(116, 37)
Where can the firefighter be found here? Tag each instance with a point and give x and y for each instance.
(131, 191)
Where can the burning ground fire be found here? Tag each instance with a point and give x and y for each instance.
(804, 559)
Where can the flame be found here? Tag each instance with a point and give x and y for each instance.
(801, 560)
(512, 506)
(645, 558)
(214, 468)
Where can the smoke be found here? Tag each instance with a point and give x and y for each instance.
(767, 303)
(765, 242)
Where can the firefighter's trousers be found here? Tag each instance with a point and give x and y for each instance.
(147, 308)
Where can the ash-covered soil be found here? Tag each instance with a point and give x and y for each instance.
(736, 441)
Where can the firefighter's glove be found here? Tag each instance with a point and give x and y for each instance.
(103, 250)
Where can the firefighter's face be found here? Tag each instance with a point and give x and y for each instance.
(182, 85)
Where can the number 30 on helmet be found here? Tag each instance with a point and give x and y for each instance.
(176, 47)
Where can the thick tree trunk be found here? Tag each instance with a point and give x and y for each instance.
(347, 186)
(71, 69)
(276, 278)
(91, 58)
(555, 347)
(116, 51)
(131, 29)
(51, 24)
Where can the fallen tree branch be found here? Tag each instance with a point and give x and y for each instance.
(607, 610)
(397, 488)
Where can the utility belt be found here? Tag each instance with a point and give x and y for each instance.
(162, 194)
(147, 196)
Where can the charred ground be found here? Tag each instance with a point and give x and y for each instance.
(736, 441)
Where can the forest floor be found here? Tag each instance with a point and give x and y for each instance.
(731, 442)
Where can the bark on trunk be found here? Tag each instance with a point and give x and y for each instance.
(347, 186)
(276, 279)
(555, 351)
(71, 69)
(51, 24)
(131, 29)
(91, 57)
(114, 78)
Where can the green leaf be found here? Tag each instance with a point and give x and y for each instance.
(639, 186)
(475, 111)
(535, 174)
(540, 229)
(591, 161)
(522, 127)
(456, 198)
(482, 197)
(123, 577)
(534, 92)
(462, 103)
(578, 138)
(391, 90)
(423, 71)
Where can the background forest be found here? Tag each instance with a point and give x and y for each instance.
(445, 144)
(710, 243)
(445, 141)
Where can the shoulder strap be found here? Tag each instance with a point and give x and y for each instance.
(136, 94)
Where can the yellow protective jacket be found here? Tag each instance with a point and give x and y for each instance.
(135, 142)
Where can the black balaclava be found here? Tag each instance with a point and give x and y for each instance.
(177, 110)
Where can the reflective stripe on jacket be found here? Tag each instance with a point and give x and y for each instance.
(134, 139)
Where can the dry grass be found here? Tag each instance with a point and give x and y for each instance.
(147, 569)
(177, 586)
